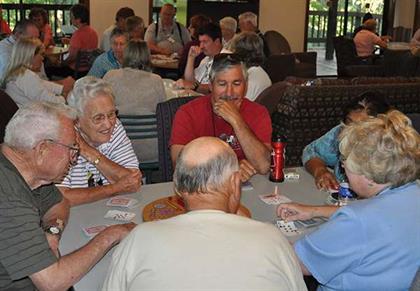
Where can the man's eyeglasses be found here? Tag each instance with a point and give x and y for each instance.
(99, 118)
(74, 150)
(230, 58)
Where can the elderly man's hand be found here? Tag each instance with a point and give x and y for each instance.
(246, 170)
(129, 183)
(118, 232)
(227, 110)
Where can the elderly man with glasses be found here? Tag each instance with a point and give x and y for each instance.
(225, 113)
(107, 164)
(39, 145)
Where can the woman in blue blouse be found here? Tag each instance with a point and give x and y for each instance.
(372, 243)
(323, 153)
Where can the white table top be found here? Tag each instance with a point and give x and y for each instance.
(303, 191)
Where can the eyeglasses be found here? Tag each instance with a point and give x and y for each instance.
(230, 58)
(99, 118)
(74, 150)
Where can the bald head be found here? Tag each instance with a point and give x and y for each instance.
(204, 164)
(203, 149)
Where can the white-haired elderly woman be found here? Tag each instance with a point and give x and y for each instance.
(374, 243)
(21, 80)
(137, 91)
(107, 164)
(250, 48)
(228, 25)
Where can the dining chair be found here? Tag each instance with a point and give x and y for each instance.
(7, 109)
(142, 127)
(84, 61)
(276, 43)
(165, 113)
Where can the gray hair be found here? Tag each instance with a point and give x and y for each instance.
(137, 56)
(35, 122)
(211, 175)
(223, 62)
(229, 23)
(250, 47)
(86, 89)
(133, 22)
(116, 32)
(249, 17)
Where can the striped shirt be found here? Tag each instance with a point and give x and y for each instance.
(24, 249)
(119, 150)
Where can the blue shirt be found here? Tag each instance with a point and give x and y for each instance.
(326, 148)
(104, 63)
(371, 244)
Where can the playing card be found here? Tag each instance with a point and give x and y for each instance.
(91, 231)
(288, 228)
(121, 202)
(274, 199)
(120, 215)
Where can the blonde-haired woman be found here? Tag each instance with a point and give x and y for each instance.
(374, 243)
(21, 80)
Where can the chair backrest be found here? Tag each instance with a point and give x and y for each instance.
(278, 67)
(7, 109)
(165, 113)
(345, 52)
(276, 43)
(84, 61)
(271, 96)
(139, 126)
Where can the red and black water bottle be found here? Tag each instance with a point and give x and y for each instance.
(278, 143)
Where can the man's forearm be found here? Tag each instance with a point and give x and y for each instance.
(189, 69)
(257, 153)
(71, 268)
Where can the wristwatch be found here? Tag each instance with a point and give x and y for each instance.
(96, 161)
(56, 228)
(53, 229)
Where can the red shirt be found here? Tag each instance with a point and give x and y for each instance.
(4, 27)
(196, 119)
(85, 38)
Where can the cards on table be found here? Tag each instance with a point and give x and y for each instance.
(121, 202)
(120, 215)
(274, 199)
(91, 231)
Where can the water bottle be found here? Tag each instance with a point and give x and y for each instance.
(278, 144)
(345, 195)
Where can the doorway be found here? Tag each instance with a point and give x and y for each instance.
(330, 18)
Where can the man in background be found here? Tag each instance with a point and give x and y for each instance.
(120, 22)
(166, 36)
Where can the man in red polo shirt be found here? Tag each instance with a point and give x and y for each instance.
(225, 113)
